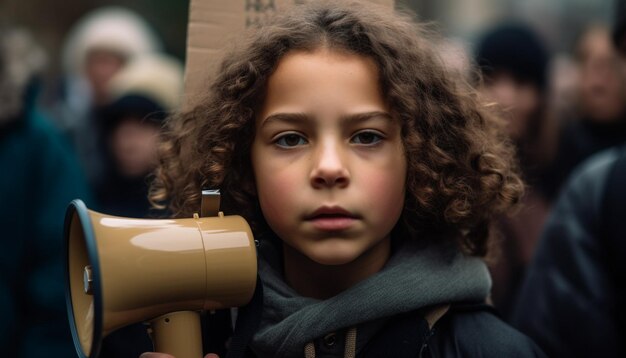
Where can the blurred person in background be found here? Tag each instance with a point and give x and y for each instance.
(143, 94)
(40, 176)
(600, 121)
(97, 47)
(513, 63)
(572, 300)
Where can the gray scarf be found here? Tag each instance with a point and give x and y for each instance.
(413, 278)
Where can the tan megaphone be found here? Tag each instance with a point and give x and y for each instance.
(122, 271)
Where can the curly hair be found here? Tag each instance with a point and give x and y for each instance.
(461, 167)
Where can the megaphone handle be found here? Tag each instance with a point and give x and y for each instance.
(178, 334)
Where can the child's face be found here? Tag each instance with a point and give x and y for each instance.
(520, 98)
(134, 147)
(100, 66)
(328, 158)
(602, 83)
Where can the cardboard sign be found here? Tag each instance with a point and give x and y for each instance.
(212, 24)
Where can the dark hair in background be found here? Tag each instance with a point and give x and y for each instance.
(132, 105)
(461, 171)
(517, 49)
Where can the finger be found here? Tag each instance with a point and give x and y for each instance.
(211, 355)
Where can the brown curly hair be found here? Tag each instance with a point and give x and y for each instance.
(461, 168)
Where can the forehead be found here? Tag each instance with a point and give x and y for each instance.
(324, 54)
(595, 41)
(314, 81)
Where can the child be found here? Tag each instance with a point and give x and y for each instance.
(369, 180)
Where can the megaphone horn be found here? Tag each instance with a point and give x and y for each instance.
(122, 270)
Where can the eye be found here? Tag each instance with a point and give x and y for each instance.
(290, 140)
(367, 138)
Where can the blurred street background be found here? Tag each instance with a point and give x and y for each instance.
(559, 21)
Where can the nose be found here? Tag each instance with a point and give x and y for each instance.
(329, 167)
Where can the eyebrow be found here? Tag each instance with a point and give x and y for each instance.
(303, 117)
(362, 117)
(286, 117)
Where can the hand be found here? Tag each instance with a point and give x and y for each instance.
(165, 355)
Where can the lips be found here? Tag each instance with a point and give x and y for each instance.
(331, 218)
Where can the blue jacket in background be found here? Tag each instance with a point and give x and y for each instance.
(39, 177)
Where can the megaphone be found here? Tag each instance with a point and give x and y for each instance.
(121, 271)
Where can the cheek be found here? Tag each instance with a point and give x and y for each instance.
(387, 190)
(277, 190)
(382, 186)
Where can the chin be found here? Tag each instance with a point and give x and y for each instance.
(333, 256)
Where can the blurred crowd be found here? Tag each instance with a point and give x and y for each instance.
(97, 141)
(558, 272)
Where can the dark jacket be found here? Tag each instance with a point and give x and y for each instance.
(572, 301)
(350, 318)
(465, 330)
(383, 316)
